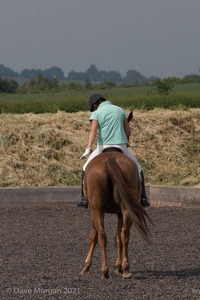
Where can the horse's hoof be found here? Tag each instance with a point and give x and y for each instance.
(119, 272)
(126, 275)
(104, 276)
(85, 273)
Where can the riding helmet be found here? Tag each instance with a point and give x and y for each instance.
(94, 99)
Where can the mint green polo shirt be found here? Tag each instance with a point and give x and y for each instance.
(110, 119)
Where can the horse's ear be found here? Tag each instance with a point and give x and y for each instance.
(130, 116)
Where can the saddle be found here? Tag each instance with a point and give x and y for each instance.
(112, 149)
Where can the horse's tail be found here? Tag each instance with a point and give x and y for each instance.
(130, 199)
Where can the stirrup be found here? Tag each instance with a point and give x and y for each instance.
(81, 202)
(144, 201)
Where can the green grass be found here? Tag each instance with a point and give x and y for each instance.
(145, 97)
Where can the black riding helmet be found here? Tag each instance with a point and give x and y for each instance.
(94, 99)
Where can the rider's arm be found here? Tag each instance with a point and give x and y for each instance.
(93, 133)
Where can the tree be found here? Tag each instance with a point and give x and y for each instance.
(110, 76)
(164, 86)
(7, 72)
(191, 78)
(8, 86)
(40, 84)
(30, 73)
(134, 76)
(79, 76)
(92, 73)
(53, 72)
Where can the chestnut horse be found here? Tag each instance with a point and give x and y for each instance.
(112, 185)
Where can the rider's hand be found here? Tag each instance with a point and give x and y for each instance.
(88, 150)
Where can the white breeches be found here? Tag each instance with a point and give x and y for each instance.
(124, 149)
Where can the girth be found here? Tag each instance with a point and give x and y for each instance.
(112, 149)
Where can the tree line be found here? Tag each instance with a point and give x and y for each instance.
(53, 80)
(91, 73)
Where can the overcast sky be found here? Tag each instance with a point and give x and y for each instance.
(154, 37)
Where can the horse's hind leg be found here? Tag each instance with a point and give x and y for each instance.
(98, 220)
(92, 243)
(118, 265)
(125, 236)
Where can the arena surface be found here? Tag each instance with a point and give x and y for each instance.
(43, 248)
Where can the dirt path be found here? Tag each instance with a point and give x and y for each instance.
(43, 248)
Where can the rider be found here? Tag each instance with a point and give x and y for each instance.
(113, 131)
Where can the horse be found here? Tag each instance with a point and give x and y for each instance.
(112, 185)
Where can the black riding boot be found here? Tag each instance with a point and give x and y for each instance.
(143, 200)
(81, 201)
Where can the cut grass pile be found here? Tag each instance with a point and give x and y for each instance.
(44, 149)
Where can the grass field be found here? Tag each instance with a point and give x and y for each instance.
(146, 97)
